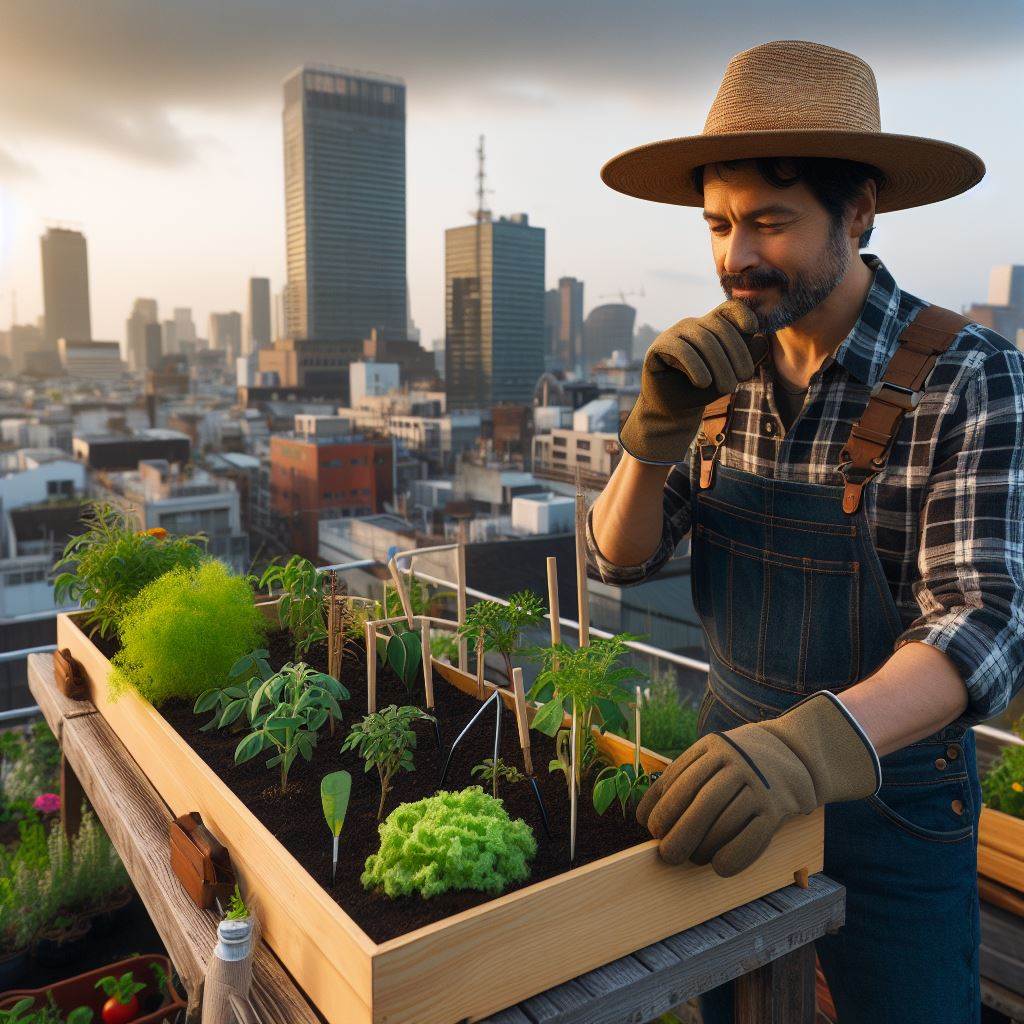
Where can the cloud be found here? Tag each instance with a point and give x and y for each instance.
(111, 74)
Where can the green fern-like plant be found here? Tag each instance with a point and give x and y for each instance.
(1002, 788)
(184, 632)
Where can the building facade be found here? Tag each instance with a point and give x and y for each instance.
(494, 312)
(65, 286)
(344, 167)
(257, 319)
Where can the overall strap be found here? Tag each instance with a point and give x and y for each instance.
(714, 425)
(897, 392)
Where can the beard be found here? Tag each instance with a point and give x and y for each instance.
(799, 295)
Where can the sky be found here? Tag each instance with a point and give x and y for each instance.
(155, 128)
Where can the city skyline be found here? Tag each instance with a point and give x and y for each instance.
(191, 205)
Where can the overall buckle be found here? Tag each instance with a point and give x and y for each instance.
(896, 394)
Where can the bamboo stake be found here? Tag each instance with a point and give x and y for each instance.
(553, 612)
(636, 733)
(371, 667)
(400, 588)
(573, 789)
(332, 578)
(521, 721)
(460, 593)
(583, 594)
(428, 668)
(480, 667)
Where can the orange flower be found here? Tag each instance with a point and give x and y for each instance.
(1017, 787)
(154, 531)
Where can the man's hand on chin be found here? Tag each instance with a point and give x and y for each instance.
(722, 800)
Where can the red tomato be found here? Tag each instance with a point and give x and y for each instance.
(115, 1012)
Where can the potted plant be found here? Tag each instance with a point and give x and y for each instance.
(1001, 830)
(141, 985)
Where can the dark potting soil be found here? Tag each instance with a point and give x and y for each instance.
(296, 818)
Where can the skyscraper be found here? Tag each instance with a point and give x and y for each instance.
(344, 169)
(1006, 286)
(65, 286)
(257, 321)
(494, 312)
(226, 334)
(139, 346)
(570, 327)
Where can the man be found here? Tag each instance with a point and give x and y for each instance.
(854, 503)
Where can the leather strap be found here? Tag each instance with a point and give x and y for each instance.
(897, 392)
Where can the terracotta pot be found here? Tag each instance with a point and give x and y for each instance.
(81, 991)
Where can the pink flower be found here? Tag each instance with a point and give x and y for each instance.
(47, 803)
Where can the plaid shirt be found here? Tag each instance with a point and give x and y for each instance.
(946, 514)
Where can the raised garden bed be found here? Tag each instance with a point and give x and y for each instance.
(365, 958)
(1001, 848)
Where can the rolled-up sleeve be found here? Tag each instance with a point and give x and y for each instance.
(675, 526)
(971, 556)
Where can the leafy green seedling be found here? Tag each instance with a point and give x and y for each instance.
(286, 713)
(230, 702)
(335, 790)
(403, 653)
(385, 741)
(301, 608)
(620, 783)
(490, 772)
(501, 626)
(237, 910)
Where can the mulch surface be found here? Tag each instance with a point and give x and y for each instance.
(296, 818)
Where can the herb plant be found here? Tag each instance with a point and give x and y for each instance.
(230, 702)
(301, 609)
(1003, 785)
(286, 712)
(111, 562)
(588, 680)
(237, 910)
(184, 631)
(620, 783)
(463, 840)
(668, 725)
(501, 626)
(490, 771)
(385, 740)
(24, 1012)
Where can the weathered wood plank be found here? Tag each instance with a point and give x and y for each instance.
(780, 992)
(136, 819)
(659, 977)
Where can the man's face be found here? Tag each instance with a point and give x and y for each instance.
(776, 250)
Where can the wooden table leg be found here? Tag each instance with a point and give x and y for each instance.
(71, 797)
(781, 992)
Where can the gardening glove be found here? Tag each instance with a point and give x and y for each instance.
(723, 799)
(688, 366)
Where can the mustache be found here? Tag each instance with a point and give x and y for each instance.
(755, 279)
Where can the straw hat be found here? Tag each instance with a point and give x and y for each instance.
(791, 98)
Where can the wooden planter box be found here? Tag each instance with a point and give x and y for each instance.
(470, 964)
(1001, 848)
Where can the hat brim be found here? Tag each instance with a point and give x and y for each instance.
(918, 171)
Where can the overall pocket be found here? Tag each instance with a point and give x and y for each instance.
(804, 632)
(927, 790)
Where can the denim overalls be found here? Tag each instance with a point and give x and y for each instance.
(792, 597)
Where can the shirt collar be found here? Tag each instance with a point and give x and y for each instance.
(864, 353)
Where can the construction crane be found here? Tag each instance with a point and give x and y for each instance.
(622, 295)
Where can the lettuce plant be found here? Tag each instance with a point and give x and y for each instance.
(461, 840)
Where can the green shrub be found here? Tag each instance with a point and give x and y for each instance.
(1003, 785)
(183, 633)
(667, 725)
(109, 564)
(30, 766)
(463, 840)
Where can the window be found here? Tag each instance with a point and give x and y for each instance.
(584, 445)
(559, 440)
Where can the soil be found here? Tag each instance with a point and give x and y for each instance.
(296, 818)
